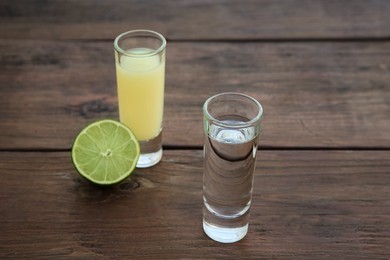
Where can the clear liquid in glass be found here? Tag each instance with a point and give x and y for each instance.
(229, 162)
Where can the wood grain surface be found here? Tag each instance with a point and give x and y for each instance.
(320, 68)
(305, 205)
(313, 94)
(196, 20)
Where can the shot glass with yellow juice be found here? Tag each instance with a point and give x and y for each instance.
(140, 71)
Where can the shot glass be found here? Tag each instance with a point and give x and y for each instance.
(231, 133)
(140, 73)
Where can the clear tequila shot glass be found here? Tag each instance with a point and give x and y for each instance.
(231, 134)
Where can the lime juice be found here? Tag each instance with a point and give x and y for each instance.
(140, 82)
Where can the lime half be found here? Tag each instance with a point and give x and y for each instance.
(105, 152)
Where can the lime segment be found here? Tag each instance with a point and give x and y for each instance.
(105, 152)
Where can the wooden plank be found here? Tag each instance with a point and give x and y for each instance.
(206, 19)
(306, 204)
(314, 94)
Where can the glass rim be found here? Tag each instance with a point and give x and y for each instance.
(136, 33)
(249, 123)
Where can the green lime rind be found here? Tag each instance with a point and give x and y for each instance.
(105, 152)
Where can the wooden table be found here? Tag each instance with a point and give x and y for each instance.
(320, 68)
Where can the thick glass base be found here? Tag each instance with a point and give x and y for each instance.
(225, 228)
(223, 234)
(151, 152)
(149, 159)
